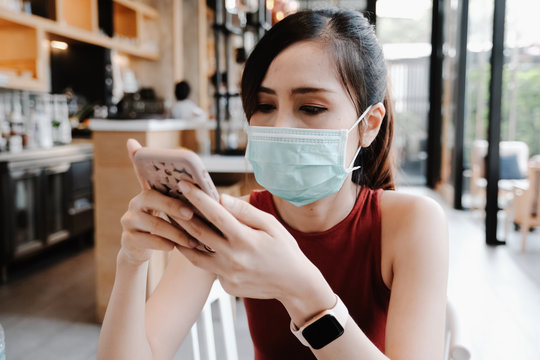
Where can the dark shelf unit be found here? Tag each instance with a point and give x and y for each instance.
(257, 22)
(46, 198)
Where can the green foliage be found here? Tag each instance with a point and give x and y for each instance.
(527, 83)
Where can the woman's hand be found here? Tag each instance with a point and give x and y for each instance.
(255, 256)
(143, 230)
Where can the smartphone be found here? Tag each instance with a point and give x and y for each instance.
(163, 169)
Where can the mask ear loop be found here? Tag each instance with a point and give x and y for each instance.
(350, 168)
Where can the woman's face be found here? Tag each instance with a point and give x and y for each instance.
(301, 89)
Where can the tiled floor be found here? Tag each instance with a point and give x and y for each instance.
(49, 314)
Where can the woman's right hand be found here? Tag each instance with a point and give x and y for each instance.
(143, 230)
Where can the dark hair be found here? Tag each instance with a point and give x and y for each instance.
(361, 68)
(181, 91)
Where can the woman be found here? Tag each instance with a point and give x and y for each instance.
(357, 271)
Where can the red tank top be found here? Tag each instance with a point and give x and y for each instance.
(349, 257)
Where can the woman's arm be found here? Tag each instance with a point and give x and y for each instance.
(123, 334)
(256, 257)
(417, 236)
(134, 328)
(414, 233)
(176, 304)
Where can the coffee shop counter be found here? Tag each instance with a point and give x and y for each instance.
(115, 184)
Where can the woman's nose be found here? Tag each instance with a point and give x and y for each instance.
(283, 120)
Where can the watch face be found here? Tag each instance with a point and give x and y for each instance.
(323, 331)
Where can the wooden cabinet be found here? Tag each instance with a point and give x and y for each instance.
(136, 22)
(82, 14)
(115, 185)
(24, 57)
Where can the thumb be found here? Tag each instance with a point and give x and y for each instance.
(132, 147)
(244, 212)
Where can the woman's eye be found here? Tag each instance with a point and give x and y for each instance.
(312, 110)
(265, 107)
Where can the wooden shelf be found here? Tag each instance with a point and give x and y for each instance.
(144, 9)
(10, 80)
(22, 59)
(125, 21)
(75, 33)
(82, 14)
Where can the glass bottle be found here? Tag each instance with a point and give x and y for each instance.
(41, 117)
(15, 141)
(4, 124)
(60, 121)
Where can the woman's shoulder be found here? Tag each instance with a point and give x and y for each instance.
(396, 205)
(412, 226)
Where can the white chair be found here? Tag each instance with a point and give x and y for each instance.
(525, 209)
(452, 350)
(227, 325)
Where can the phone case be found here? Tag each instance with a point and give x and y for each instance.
(163, 169)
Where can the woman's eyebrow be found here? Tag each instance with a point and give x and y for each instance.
(300, 90)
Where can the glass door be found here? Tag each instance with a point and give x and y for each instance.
(480, 34)
(25, 221)
(55, 204)
(521, 76)
(404, 30)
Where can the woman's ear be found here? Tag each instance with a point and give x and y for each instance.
(372, 125)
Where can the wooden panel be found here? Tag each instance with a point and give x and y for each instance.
(20, 83)
(115, 184)
(113, 188)
(189, 140)
(79, 13)
(20, 66)
(18, 42)
(144, 9)
(110, 147)
(163, 139)
(178, 64)
(85, 34)
(43, 59)
(125, 21)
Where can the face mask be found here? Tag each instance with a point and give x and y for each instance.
(300, 165)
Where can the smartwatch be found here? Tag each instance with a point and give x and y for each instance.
(324, 327)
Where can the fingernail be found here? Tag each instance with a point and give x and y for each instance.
(184, 187)
(227, 200)
(186, 213)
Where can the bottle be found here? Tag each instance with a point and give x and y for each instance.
(2, 343)
(60, 122)
(65, 124)
(5, 130)
(42, 120)
(28, 134)
(15, 141)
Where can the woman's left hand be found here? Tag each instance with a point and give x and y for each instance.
(255, 256)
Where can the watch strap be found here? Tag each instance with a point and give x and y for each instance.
(339, 312)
